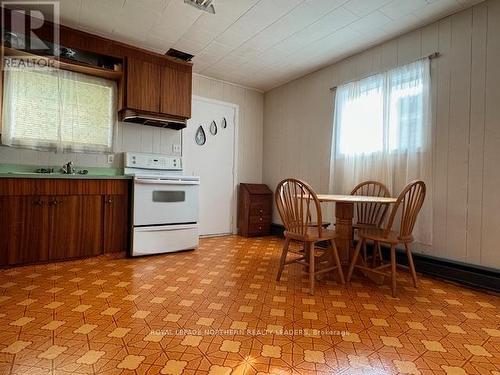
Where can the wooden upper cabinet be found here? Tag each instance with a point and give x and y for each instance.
(151, 82)
(175, 96)
(143, 85)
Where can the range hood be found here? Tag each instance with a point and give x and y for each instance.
(157, 120)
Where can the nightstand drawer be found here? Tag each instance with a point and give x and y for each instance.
(260, 210)
(259, 229)
(260, 219)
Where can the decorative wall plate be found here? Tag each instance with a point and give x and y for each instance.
(200, 137)
(213, 128)
(224, 123)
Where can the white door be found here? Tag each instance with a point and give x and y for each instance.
(213, 162)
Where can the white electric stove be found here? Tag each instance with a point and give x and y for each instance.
(165, 204)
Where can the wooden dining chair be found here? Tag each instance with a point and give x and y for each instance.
(410, 201)
(370, 215)
(298, 206)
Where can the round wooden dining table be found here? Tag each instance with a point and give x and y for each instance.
(344, 213)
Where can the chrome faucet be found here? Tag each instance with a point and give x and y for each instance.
(68, 168)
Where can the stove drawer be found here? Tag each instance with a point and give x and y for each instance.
(164, 239)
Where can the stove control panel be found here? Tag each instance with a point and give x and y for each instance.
(152, 161)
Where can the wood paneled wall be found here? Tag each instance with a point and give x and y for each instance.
(466, 120)
(139, 138)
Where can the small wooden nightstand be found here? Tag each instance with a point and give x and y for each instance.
(255, 204)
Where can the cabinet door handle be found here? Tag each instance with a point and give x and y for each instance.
(109, 200)
(39, 202)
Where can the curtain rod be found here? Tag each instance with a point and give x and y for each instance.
(430, 57)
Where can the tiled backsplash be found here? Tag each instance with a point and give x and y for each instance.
(129, 137)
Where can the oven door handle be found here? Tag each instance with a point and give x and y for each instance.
(165, 182)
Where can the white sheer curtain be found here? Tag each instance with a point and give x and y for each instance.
(382, 132)
(58, 110)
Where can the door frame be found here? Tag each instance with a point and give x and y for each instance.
(236, 107)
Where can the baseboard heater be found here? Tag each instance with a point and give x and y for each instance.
(461, 273)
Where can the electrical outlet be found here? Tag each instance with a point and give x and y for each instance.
(176, 149)
(111, 159)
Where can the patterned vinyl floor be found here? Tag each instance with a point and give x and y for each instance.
(219, 310)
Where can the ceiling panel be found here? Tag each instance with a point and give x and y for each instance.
(96, 16)
(258, 43)
(363, 7)
(331, 22)
(400, 8)
(371, 22)
(70, 12)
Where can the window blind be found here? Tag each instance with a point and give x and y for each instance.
(58, 110)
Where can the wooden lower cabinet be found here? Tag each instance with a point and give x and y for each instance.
(41, 228)
(76, 224)
(91, 225)
(24, 230)
(116, 223)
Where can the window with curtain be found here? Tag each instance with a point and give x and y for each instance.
(58, 110)
(382, 132)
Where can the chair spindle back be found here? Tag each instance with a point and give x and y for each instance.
(296, 202)
(371, 213)
(411, 200)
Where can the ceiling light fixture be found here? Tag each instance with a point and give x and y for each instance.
(204, 5)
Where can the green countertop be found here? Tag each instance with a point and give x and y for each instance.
(28, 171)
